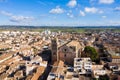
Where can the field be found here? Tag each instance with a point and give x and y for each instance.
(62, 29)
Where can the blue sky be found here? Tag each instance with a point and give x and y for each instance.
(60, 12)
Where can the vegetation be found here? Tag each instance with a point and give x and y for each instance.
(5, 49)
(58, 28)
(91, 52)
(35, 50)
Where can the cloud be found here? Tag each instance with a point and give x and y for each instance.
(72, 3)
(21, 19)
(56, 10)
(92, 2)
(104, 16)
(5, 13)
(15, 18)
(117, 8)
(70, 11)
(114, 22)
(42, 3)
(106, 1)
(82, 13)
(101, 12)
(91, 10)
(70, 15)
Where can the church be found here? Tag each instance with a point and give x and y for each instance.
(66, 52)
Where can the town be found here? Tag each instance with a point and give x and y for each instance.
(50, 55)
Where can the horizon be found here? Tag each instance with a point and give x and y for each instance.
(60, 13)
(98, 26)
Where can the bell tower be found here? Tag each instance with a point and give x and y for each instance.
(54, 49)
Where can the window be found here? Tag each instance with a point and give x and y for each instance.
(54, 53)
(65, 55)
(80, 70)
(65, 50)
(79, 59)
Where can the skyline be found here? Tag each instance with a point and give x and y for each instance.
(60, 12)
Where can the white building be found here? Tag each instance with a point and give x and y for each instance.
(82, 65)
(99, 72)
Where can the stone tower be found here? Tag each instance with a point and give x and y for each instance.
(54, 49)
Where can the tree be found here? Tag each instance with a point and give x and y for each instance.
(91, 52)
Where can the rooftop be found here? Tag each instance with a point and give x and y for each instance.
(39, 72)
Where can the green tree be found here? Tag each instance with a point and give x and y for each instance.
(91, 52)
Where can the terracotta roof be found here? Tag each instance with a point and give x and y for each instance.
(3, 76)
(7, 62)
(19, 73)
(4, 46)
(95, 67)
(58, 67)
(54, 68)
(61, 65)
(29, 77)
(115, 57)
(39, 72)
(5, 56)
(72, 43)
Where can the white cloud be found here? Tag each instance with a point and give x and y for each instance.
(91, 10)
(5, 13)
(56, 10)
(101, 12)
(117, 8)
(70, 15)
(72, 3)
(106, 1)
(104, 16)
(14, 18)
(21, 19)
(82, 13)
(114, 22)
(42, 3)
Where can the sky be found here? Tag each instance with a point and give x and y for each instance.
(60, 12)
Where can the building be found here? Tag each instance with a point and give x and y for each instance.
(66, 52)
(83, 65)
(40, 70)
(57, 72)
(98, 70)
(54, 48)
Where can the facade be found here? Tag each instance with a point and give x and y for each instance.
(54, 49)
(99, 72)
(66, 52)
(83, 65)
